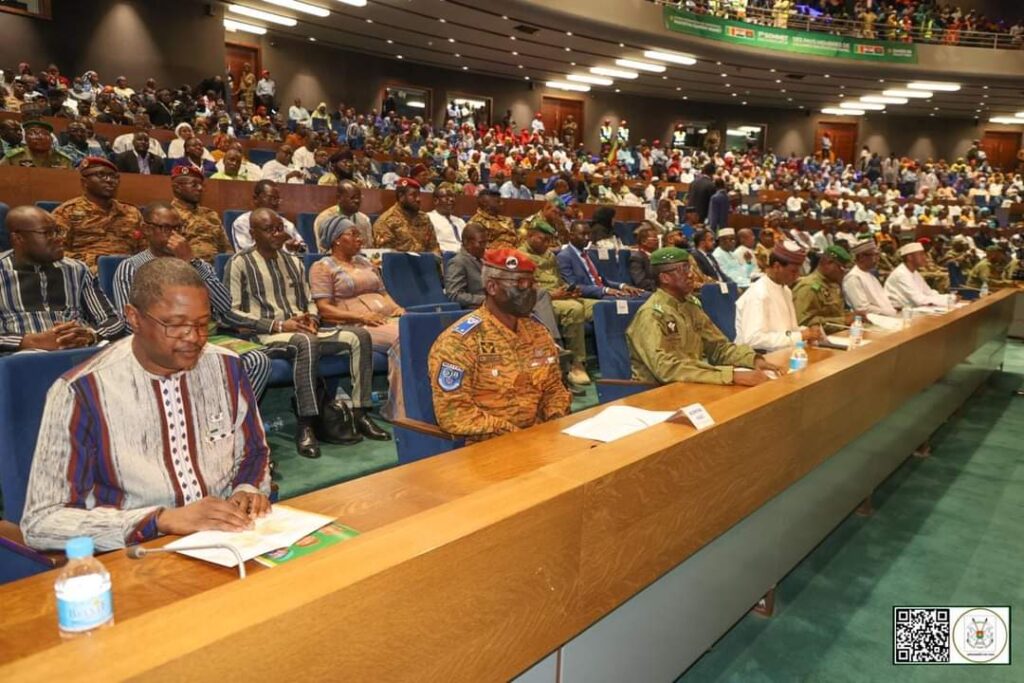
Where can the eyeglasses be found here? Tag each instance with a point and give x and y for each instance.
(165, 228)
(272, 229)
(182, 330)
(50, 234)
(104, 177)
(520, 283)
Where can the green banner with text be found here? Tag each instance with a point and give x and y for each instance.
(787, 40)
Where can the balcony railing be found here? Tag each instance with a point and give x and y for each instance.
(798, 20)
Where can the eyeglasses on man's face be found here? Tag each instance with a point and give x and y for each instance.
(182, 330)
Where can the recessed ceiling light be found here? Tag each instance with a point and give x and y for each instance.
(777, 80)
(390, 42)
(260, 14)
(686, 97)
(842, 95)
(783, 90)
(836, 111)
(622, 45)
(617, 90)
(572, 63)
(743, 102)
(936, 108)
(442, 21)
(772, 70)
(585, 78)
(465, 68)
(511, 37)
(369, 21)
(568, 49)
(303, 7)
(789, 99)
(566, 85)
(640, 66)
(232, 25)
(985, 96)
(673, 57)
(678, 89)
(520, 66)
(458, 55)
(526, 78)
(451, 40)
(505, 17)
(723, 75)
(882, 99)
(828, 76)
(734, 94)
(867, 106)
(903, 92)
(399, 57)
(718, 63)
(614, 73)
(727, 85)
(937, 86)
(312, 39)
(984, 87)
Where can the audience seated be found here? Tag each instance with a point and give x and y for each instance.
(447, 227)
(350, 197)
(404, 226)
(196, 156)
(203, 228)
(579, 272)
(265, 195)
(501, 233)
(139, 159)
(38, 151)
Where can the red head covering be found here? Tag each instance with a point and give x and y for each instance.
(186, 170)
(95, 162)
(509, 260)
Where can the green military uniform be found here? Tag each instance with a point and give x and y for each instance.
(561, 234)
(937, 277)
(394, 230)
(204, 231)
(966, 259)
(675, 341)
(571, 313)
(817, 300)
(22, 157)
(501, 232)
(991, 274)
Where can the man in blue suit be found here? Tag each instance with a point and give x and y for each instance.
(580, 273)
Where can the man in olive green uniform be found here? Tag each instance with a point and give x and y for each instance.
(671, 339)
(818, 297)
(995, 270)
(501, 232)
(960, 254)
(888, 259)
(38, 151)
(404, 226)
(571, 312)
(96, 224)
(550, 213)
(936, 276)
(201, 226)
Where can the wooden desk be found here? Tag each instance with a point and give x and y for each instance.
(475, 564)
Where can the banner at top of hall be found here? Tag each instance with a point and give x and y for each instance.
(788, 40)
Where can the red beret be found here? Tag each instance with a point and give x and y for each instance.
(406, 182)
(509, 260)
(186, 170)
(93, 162)
(790, 252)
(417, 169)
(924, 241)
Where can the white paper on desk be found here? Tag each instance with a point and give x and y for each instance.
(844, 341)
(283, 527)
(928, 310)
(885, 322)
(770, 374)
(616, 422)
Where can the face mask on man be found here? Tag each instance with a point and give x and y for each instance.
(515, 301)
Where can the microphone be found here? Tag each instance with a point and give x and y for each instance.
(137, 552)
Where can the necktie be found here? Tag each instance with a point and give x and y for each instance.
(455, 229)
(594, 275)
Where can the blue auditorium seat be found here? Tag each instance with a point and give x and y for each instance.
(106, 266)
(625, 231)
(609, 267)
(447, 256)
(309, 260)
(261, 156)
(304, 224)
(230, 215)
(24, 380)
(721, 307)
(18, 561)
(47, 206)
(624, 265)
(417, 436)
(412, 279)
(5, 241)
(220, 262)
(956, 276)
(613, 351)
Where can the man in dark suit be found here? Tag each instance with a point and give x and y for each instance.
(138, 159)
(705, 242)
(641, 273)
(701, 189)
(718, 211)
(579, 272)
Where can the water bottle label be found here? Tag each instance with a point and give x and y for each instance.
(85, 613)
(794, 364)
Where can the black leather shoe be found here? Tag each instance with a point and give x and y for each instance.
(335, 424)
(305, 438)
(367, 427)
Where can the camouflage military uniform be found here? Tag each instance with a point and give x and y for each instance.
(93, 232)
(818, 301)
(203, 230)
(994, 276)
(571, 313)
(22, 157)
(887, 263)
(501, 232)
(393, 230)
(559, 226)
(936, 277)
(675, 341)
(965, 260)
(488, 380)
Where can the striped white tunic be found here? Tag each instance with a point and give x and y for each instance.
(117, 444)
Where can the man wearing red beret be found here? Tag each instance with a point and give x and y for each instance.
(201, 226)
(404, 227)
(496, 370)
(96, 224)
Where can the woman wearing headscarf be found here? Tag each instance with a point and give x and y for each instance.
(195, 155)
(321, 118)
(183, 132)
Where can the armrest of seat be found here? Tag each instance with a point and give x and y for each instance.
(12, 540)
(423, 428)
(434, 308)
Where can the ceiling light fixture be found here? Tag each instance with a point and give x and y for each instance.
(614, 73)
(593, 80)
(1009, 120)
(260, 14)
(640, 66)
(357, 3)
(836, 111)
(416, 104)
(301, 7)
(902, 92)
(862, 105)
(565, 85)
(674, 58)
(936, 86)
(232, 25)
(882, 99)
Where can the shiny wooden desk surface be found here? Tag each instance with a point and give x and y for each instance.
(484, 559)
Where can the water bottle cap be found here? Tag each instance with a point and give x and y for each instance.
(800, 344)
(78, 547)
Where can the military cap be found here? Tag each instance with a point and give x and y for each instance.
(95, 162)
(557, 202)
(669, 255)
(180, 171)
(508, 261)
(789, 252)
(37, 124)
(404, 183)
(839, 254)
(995, 246)
(543, 226)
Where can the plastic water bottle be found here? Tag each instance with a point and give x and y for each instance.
(275, 425)
(907, 314)
(798, 361)
(83, 592)
(856, 332)
(984, 290)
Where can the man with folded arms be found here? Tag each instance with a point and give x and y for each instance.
(818, 297)
(174, 412)
(861, 288)
(906, 287)
(671, 339)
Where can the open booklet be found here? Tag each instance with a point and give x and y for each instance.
(616, 422)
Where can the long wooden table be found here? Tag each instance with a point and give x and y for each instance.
(475, 564)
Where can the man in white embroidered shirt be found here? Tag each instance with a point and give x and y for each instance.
(157, 434)
(905, 286)
(861, 288)
(765, 315)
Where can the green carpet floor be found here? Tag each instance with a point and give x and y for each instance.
(337, 463)
(947, 530)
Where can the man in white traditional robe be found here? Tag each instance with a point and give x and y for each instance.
(861, 288)
(906, 287)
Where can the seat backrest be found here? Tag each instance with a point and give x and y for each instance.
(5, 240)
(625, 231)
(24, 380)
(309, 260)
(956, 276)
(47, 205)
(304, 224)
(417, 332)
(447, 256)
(610, 337)
(261, 156)
(623, 256)
(721, 307)
(412, 279)
(608, 266)
(230, 216)
(106, 266)
(220, 263)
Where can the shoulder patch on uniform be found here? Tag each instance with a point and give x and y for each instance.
(468, 324)
(657, 308)
(816, 287)
(449, 377)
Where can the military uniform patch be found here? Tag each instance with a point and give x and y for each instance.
(449, 377)
(467, 325)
